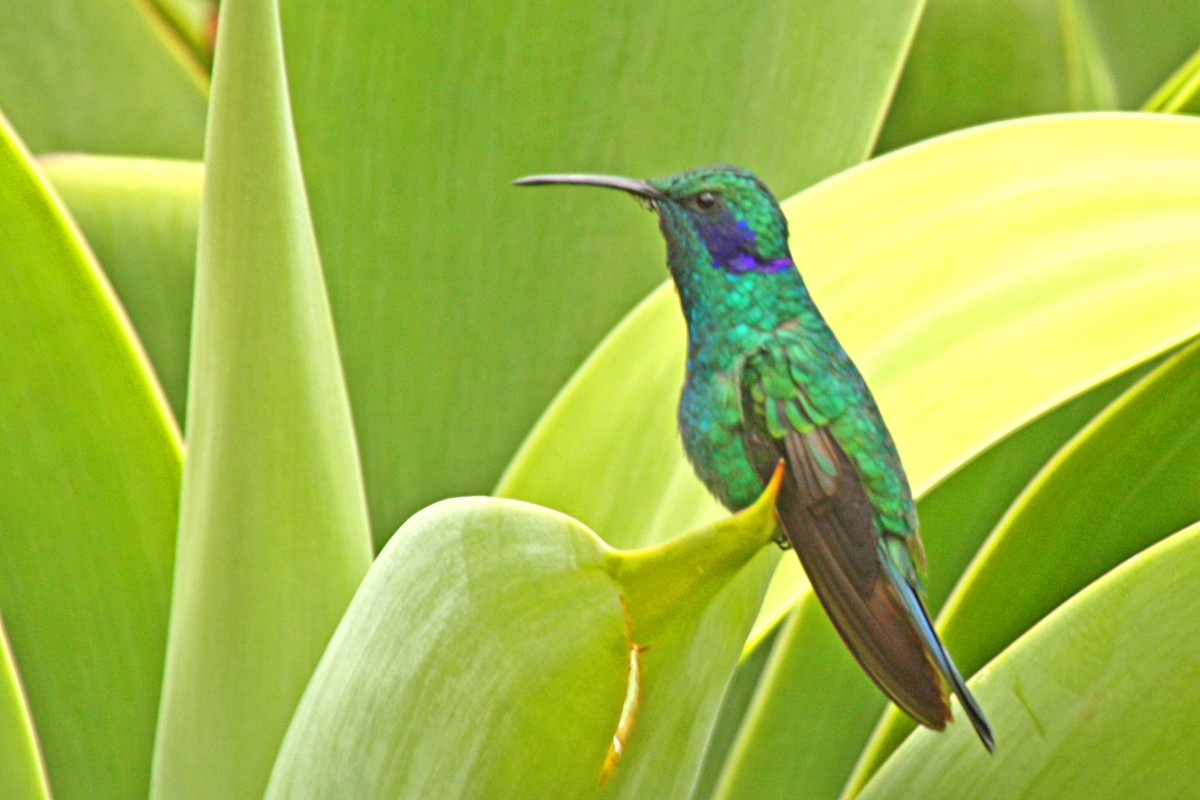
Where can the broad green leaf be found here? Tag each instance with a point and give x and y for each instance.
(607, 451)
(273, 532)
(1123, 483)
(88, 503)
(195, 22)
(1180, 94)
(815, 710)
(139, 216)
(1142, 42)
(514, 645)
(976, 61)
(462, 303)
(101, 76)
(736, 700)
(1065, 253)
(1027, 300)
(1098, 699)
(22, 773)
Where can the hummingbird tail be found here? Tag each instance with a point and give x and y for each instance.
(875, 608)
(864, 605)
(911, 599)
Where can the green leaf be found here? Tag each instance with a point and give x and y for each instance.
(1142, 42)
(195, 22)
(815, 709)
(101, 76)
(1180, 94)
(1031, 250)
(976, 61)
(90, 504)
(22, 773)
(489, 296)
(734, 704)
(983, 60)
(1100, 695)
(514, 645)
(1122, 484)
(273, 533)
(140, 216)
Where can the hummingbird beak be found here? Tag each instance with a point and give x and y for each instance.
(639, 189)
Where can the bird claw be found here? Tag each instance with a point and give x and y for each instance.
(782, 540)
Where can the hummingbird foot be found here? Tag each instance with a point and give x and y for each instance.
(780, 539)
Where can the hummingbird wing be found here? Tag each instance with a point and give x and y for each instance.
(861, 562)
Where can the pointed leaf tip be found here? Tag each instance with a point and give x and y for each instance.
(681, 575)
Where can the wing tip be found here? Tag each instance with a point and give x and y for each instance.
(971, 708)
(941, 660)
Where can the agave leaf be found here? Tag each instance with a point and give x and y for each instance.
(273, 532)
(1030, 251)
(1101, 693)
(1142, 42)
(979, 61)
(488, 296)
(976, 61)
(140, 215)
(506, 639)
(195, 22)
(22, 772)
(814, 710)
(90, 503)
(1122, 484)
(100, 76)
(1180, 94)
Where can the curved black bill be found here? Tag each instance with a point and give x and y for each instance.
(631, 185)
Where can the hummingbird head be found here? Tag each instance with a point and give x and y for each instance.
(720, 217)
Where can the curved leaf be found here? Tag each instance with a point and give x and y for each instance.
(1098, 695)
(1035, 269)
(976, 61)
(140, 216)
(814, 710)
(195, 21)
(984, 60)
(1031, 249)
(1122, 484)
(490, 296)
(273, 532)
(22, 773)
(1180, 94)
(508, 638)
(99, 76)
(89, 503)
(1142, 42)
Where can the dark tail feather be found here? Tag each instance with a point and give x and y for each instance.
(865, 609)
(924, 627)
(878, 614)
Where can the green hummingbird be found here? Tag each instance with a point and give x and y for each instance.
(767, 380)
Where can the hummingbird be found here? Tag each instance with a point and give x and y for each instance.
(767, 380)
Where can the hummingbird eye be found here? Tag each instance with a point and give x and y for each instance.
(705, 201)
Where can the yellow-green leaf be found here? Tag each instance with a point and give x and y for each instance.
(1122, 484)
(100, 76)
(139, 215)
(273, 532)
(1098, 698)
(89, 502)
(488, 297)
(22, 772)
(497, 649)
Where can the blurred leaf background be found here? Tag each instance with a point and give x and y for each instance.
(1019, 297)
